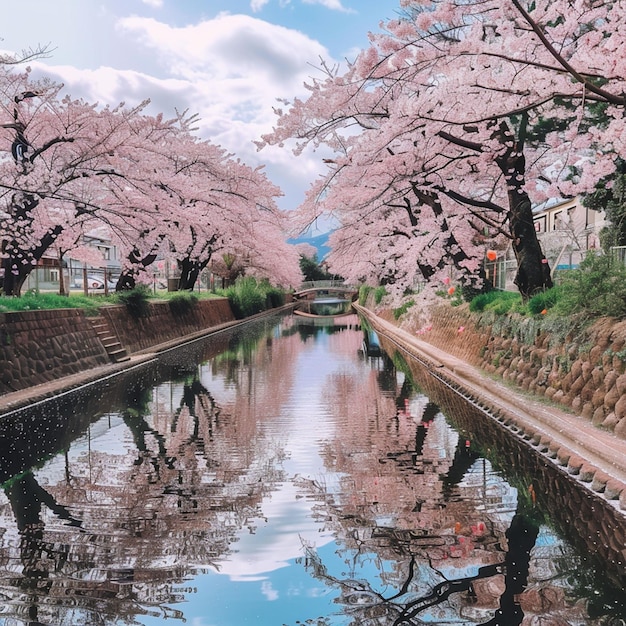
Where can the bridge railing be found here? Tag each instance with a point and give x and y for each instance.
(326, 284)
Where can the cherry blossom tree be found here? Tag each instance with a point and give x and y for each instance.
(229, 207)
(157, 189)
(68, 162)
(207, 203)
(451, 124)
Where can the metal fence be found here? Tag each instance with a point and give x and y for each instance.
(501, 273)
(619, 253)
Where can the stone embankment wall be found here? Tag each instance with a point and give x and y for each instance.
(580, 368)
(40, 346)
(162, 324)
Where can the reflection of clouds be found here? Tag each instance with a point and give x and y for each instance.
(277, 541)
(301, 428)
(267, 590)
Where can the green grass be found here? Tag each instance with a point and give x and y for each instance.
(33, 301)
(500, 302)
(596, 289)
(198, 295)
(182, 302)
(45, 301)
(401, 310)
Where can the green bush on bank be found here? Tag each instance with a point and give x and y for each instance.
(596, 289)
(542, 302)
(249, 297)
(365, 290)
(500, 302)
(401, 310)
(182, 302)
(136, 301)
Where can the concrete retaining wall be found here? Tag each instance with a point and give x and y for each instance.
(40, 346)
(162, 325)
(592, 458)
(577, 496)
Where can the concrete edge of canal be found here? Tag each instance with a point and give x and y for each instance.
(593, 457)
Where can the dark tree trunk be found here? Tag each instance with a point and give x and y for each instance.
(533, 269)
(13, 279)
(128, 278)
(18, 264)
(452, 250)
(189, 273)
(126, 281)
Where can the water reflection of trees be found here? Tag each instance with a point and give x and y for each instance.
(160, 485)
(115, 530)
(408, 605)
(461, 543)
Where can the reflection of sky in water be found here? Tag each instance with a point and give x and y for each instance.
(264, 580)
(261, 583)
(284, 596)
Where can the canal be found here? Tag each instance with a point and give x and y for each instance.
(286, 473)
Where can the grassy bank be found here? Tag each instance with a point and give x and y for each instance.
(247, 297)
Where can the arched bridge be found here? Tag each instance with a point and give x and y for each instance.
(325, 298)
(315, 288)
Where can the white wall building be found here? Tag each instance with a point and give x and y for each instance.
(566, 230)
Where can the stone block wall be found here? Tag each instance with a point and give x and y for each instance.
(162, 324)
(584, 371)
(39, 346)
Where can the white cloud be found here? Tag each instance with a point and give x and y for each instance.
(228, 47)
(229, 70)
(334, 5)
(257, 5)
(157, 4)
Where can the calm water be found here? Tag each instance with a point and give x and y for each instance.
(284, 474)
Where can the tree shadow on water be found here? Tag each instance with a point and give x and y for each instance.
(369, 607)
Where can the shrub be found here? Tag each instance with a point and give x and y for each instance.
(182, 303)
(137, 301)
(544, 301)
(275, 297)
(364, 292)
(379, 294)
(246, 297)
(597, 288)
(500, 302)
(401, 310)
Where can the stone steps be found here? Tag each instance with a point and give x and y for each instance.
(117, 353)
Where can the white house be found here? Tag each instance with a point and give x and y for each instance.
(566, 230)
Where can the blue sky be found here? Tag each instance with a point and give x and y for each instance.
(227, 60)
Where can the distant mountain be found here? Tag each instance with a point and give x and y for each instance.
(319, 242)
